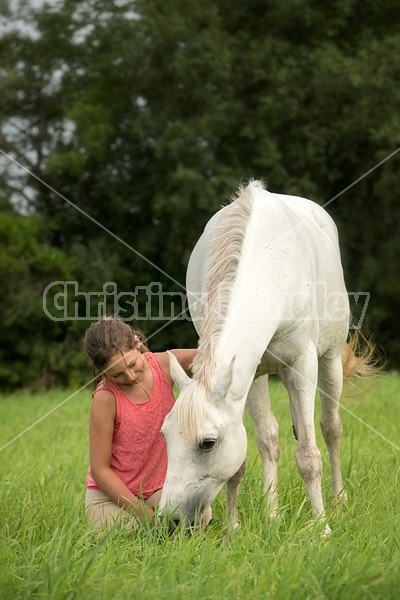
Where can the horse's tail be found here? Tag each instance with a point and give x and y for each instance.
(359, 358)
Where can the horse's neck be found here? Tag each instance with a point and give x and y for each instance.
(238, 353)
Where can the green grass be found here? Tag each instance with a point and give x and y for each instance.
(47, 550)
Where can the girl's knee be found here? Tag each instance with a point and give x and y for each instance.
(101, 520)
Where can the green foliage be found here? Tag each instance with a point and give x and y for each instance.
(27, 262)
(147, 119)
(47, 550)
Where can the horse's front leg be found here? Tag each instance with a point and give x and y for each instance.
(259, 407)
(300, 380)
(232, 494)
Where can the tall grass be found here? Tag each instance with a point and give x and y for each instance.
(47, 550)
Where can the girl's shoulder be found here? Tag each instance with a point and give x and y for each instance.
(104, 403)
(104, 394)
(103, 386)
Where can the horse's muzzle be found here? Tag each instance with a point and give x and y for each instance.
(172, 522)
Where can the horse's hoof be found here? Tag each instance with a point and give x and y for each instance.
(339, 500)
(341, 497)
(273, 514)
(327, 531)
(232, 530)
(207, 517)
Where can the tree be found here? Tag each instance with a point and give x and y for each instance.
(146, 120)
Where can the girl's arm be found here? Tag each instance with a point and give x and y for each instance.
(101, 428)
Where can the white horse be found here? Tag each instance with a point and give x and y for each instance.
(267, 295)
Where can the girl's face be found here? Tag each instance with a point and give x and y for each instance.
(127, 368)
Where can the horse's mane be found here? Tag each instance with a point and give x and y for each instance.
(225, 255)
(191, 411)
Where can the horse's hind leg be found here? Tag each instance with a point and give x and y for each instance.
(330, 381)
(266, 427)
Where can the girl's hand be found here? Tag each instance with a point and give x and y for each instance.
(149, 514)
(145, 514)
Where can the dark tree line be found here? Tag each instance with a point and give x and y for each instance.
(147, 115)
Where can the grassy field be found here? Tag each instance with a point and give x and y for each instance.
(47, 550)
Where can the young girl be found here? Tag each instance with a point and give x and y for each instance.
(128, 457)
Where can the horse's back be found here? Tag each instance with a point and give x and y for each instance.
(291, 245)
(312, 211)
(306, 267)
(295, 235)
(279, 215)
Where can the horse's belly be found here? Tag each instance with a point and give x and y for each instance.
(267, 366)
(277, 355)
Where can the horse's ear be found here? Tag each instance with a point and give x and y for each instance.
(226, 379)
(178, 374)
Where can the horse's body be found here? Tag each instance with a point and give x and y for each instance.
(267, 295)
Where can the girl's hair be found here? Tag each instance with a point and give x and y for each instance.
(107, 337)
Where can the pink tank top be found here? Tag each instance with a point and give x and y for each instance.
(139, 453)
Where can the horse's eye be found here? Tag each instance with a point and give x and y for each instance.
(207, 444)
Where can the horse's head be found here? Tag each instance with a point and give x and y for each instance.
(206, 445)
